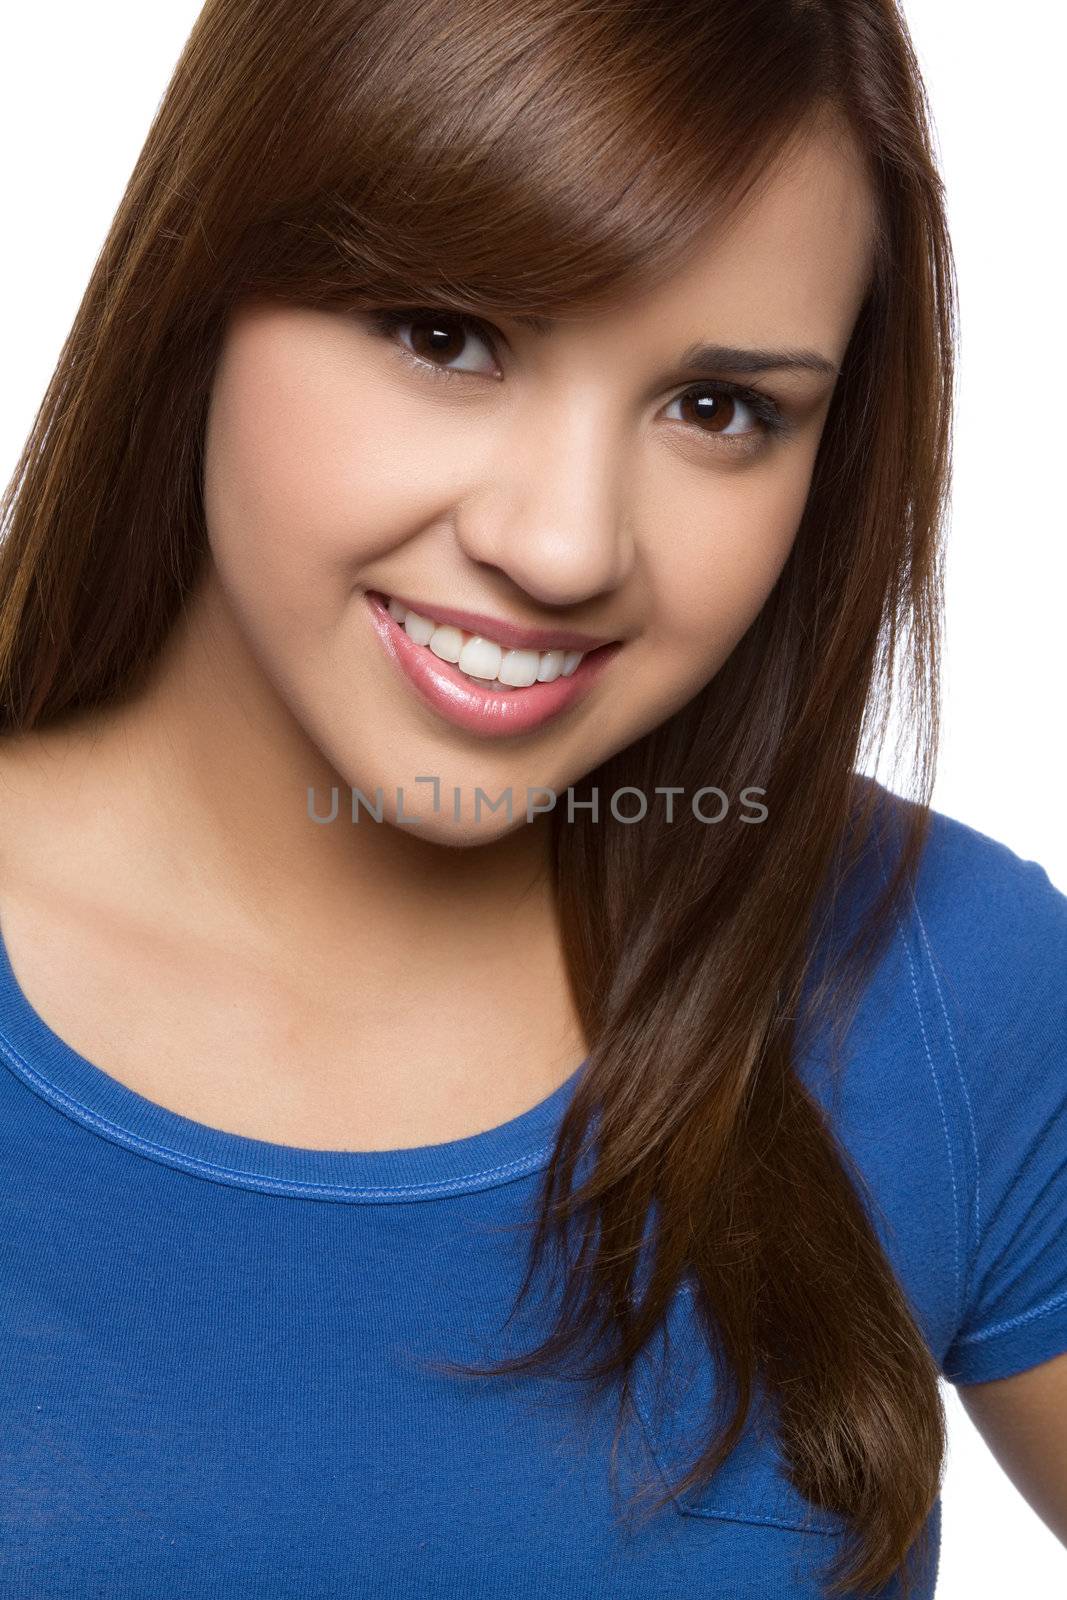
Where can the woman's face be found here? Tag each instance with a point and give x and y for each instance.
(591, 479)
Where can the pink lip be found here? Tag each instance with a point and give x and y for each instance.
(509, 633)
(462, 700)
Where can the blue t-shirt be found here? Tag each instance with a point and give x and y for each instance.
(216, 1357)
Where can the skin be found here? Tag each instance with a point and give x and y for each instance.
(568, 488)
(1023, 1419)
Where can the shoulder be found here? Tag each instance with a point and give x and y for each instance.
(979, 912)
(976, 973)
(23, 802)
(976, 947)
(987, 929)
(40, 771)
(966, 872)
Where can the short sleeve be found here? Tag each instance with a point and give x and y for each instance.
(1010, 1033)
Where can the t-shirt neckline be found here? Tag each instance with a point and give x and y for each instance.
(87, 1094)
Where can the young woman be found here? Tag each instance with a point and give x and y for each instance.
(494, 1102)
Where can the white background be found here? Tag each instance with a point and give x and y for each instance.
(80, 84)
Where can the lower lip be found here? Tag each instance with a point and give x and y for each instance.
(462, 701)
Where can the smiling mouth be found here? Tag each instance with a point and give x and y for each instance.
(486, 662)
(480, 704)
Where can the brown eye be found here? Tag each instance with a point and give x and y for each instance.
(435, 339)
(711, 410)
(745, 420)
(440, 340)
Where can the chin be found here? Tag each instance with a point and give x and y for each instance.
(339, 805)
(462, 835)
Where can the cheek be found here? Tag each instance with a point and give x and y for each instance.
(726, 549)
(307, 474)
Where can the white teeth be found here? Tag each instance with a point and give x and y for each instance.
(483, 659)
(447, 643)
(418, 628)
(480, 658)
(519, 668)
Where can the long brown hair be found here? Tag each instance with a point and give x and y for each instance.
(536, 158)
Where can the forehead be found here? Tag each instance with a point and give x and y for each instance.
(789, 269)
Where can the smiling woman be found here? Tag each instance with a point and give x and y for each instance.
(535, 419)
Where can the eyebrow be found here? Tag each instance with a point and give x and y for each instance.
(732, 358)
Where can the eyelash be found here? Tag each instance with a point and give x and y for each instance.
(772, 423)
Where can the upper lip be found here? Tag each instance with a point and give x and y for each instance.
(515, 635)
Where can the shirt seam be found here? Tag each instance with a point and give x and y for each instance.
(234, 1177)
(956, 1231)
(1017, 1321)
(961, 1077)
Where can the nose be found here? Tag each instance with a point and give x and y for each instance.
(552, 507)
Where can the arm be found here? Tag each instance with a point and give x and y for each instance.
(1023, 1419)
